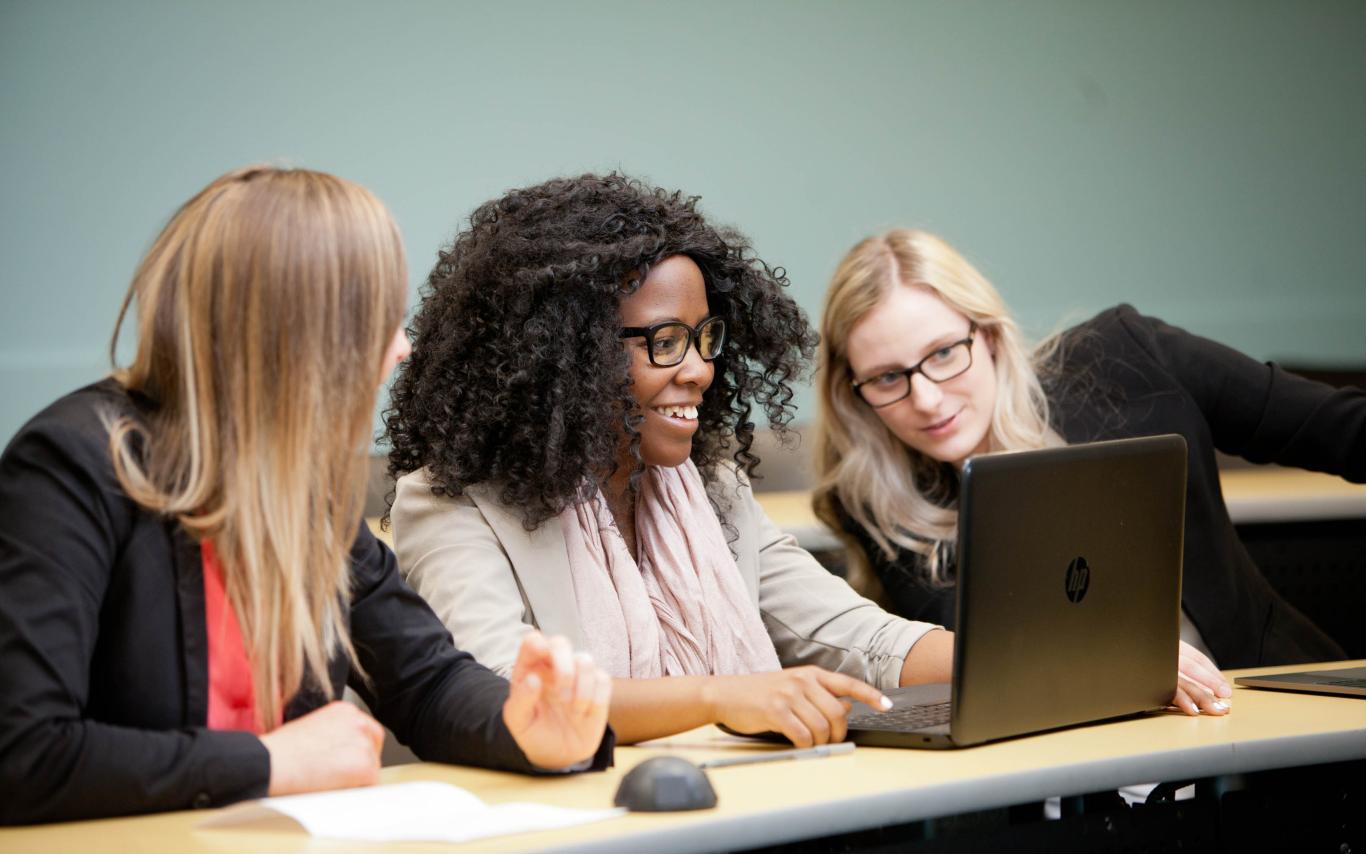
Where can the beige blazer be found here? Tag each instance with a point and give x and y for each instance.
(490, 581)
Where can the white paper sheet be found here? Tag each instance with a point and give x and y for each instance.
(424, 811)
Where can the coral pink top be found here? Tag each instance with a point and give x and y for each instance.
(232, 694)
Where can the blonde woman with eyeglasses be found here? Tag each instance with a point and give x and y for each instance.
(921, 366)
(185, 582)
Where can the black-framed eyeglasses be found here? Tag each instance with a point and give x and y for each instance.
(668, 342)
(940, 366)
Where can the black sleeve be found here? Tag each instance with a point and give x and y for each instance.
(61, 520)
(435, 698)
(903, 578)
(1257, 410)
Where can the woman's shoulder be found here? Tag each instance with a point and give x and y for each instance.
(418, 492)
(62, 456)
(1124, 337)
(77, 424)
(413, 483)
(424, 514)
(1116, 324)
(1115, 342)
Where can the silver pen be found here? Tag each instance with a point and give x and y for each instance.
(777, 755)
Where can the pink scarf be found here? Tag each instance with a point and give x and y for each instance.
(684, 609)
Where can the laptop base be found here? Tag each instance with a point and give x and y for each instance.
(1346, 682)
(919, 718)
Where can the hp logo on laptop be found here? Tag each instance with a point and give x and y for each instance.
(1078, 579)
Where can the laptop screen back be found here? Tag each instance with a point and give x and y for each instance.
(1069, 585)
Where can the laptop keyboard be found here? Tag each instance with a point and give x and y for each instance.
(907, 719)
(1347, 683)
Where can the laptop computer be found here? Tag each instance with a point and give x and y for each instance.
(1344, 681)
(1068, 601)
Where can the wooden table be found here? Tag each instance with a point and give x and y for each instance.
(770, 803)
(1272, 494)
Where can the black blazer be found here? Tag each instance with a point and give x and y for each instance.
(103, 668)
(1123, 375)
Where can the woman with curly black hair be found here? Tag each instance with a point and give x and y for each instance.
(573, 440)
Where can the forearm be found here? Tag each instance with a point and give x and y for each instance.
(643, 709)
(463, 723)
(83, 769)
(436, 699)
(930, 659)
(1261, 411)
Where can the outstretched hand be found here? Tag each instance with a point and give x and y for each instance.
(806, 704)
(556, 708)
(1200, 687)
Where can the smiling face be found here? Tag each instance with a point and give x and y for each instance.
(669, 397)
(948, 421)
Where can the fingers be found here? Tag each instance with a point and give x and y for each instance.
(527, 682)
(1193, 698)
(592, 701)
(562, 667)
(1197, 666)
(585, 685)
(550, 677)
(815, 723)
(520, 708)
(1182, 701)
(809, 709)
(530, 654)
(372, 728)
(602, 695)
(790, 725)
(841, 685)
(834, 713)
(1200, 687)
(557, 710)
(552, 658)
(1204, 698)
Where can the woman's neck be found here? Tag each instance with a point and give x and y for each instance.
(621, 503)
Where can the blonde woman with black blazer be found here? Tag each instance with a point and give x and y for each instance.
(185, 583)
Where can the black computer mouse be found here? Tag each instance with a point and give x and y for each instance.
(665, 784)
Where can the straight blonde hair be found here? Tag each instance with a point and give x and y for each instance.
(893, 492)
(264, 310)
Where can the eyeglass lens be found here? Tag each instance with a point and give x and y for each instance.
(671, 341)
(941, 365)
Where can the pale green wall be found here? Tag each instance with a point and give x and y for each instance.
(1204, 160)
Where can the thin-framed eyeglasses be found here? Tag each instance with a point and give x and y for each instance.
(942, 365)
(668, 342)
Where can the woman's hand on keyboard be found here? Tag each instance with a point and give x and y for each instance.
(805, 704)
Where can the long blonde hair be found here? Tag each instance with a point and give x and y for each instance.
(264, 311)
(894, 492)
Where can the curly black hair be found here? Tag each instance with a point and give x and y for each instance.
(518, 376)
